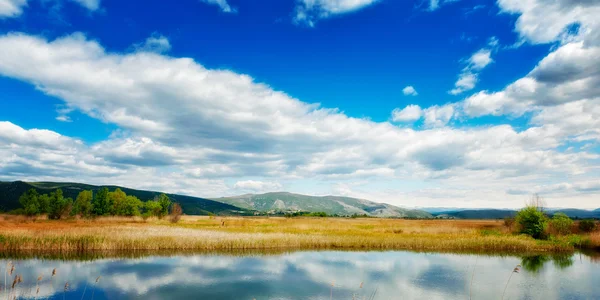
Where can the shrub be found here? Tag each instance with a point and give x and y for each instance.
(532, 222)
(587, 225)
(509, 222)
(561, 223)
(176, 212)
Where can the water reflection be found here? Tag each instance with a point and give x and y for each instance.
(310, 275)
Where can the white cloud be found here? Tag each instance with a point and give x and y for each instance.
(309, 11)
(11, 8)
(410, 113)
(436, 4)
(155, 43)
(225, 7)
(14, 8)
(547, 21)
(438, 116)
(470, 74)
(257, 186)
(409, 91)
(186, 128)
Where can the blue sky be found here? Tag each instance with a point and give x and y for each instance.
(415, 103)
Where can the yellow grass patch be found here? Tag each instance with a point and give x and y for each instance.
(237, 233)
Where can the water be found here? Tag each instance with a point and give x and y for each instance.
(312, 275)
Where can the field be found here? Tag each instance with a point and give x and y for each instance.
(192, 233)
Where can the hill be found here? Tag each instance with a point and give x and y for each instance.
(503, 213)
(478, 214)
(332, 205)
(11, 191)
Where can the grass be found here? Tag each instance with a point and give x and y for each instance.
(193, 233)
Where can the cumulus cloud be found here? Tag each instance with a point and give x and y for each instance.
(186, 128)
(225, 7)
(257, 186)
(409, 91)
(410, 113)
(308, 12)
(543, 22)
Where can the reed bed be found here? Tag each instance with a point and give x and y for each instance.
(243, 233)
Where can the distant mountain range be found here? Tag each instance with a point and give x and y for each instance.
(332, 205)
(11, 191)
(276, 203)
(503, 213)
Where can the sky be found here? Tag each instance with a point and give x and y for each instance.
(438, 103)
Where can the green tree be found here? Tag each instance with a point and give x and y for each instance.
(132, 206)
(44, 202)
(153, 208)
(587, 225)
(83, 204)
(30, 202)
(561, 223)
(165, 203)
(101, 204)
(117, 200)
(532, 221)
(59, 206)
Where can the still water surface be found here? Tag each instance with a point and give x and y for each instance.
(311, 275)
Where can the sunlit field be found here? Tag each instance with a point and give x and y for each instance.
(19, 233)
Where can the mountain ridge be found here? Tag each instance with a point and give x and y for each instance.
(274, 202)
(11, 191)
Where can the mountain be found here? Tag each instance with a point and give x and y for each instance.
(478, 214)
(503, 213)
(332, 205)
(11, 191)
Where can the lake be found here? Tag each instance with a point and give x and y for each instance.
(311, 275)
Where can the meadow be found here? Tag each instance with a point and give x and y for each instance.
(197, 233)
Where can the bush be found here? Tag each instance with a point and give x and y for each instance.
(532, 222)
(561, 223)
(176, 212)
(509, 222)
(587, 225)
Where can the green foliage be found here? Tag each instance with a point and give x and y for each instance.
(117, 202)
(587, 225)
(83, 204)
(132, 206)
(59, 206)
(532, 222)
(30, 202)
(561, 223)
(11, 191)
(44, 201)
(306, 214)
(101, 203)
(153, 208)
(165, 203)
(104, 203)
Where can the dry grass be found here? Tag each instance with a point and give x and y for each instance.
(231, 233)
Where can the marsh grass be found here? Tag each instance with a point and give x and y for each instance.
(244, 233)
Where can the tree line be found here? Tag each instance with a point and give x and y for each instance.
(87, 204)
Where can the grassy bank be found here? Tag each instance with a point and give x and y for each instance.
(237, 233)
